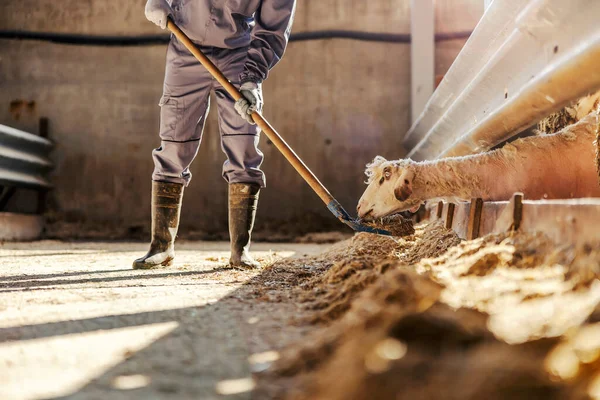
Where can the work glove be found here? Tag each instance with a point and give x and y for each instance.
(251, 101)
(157, 11)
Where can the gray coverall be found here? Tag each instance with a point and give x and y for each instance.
(245, 39)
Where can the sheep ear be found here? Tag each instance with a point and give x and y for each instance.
(403, 191)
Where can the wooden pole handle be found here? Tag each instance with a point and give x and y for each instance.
(271, 133)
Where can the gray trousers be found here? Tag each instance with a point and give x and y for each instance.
(184, 107)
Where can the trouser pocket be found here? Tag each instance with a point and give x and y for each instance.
(171, 111)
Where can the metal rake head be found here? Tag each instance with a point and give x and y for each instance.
(341, 214)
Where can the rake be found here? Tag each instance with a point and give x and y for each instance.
(332, 204)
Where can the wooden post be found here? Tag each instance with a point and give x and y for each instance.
(450, 215)
(474, 219)
(517, 204)
(440, 209)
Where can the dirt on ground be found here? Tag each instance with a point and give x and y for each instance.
(505, 316)
(422, 316)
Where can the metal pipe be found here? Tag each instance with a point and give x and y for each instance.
(491, 32)
(151, 40)
(541, 60)
(24, 159)
(553, 89)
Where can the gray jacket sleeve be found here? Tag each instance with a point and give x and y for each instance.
(270, 35)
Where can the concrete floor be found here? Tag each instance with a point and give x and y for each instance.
(76, 321)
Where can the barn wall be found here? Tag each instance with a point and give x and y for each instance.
(338, 103)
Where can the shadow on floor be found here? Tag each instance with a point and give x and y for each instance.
(207, 346)
(40, 285)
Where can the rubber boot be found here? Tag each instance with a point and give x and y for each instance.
(243, 201)
(166, 207)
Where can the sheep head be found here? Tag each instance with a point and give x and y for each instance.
(389, 190)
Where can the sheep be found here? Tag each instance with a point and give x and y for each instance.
(555, 166)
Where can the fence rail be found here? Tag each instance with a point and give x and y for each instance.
(525, 60)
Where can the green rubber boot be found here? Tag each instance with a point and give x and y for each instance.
(166, 207)
(243, 201)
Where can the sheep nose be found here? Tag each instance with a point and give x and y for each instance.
(358, 208)
(363, 214)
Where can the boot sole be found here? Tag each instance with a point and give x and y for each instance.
(142, 265)
(244, 267)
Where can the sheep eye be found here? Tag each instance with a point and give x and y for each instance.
(406, 181)
(387, 175)
(381, 180)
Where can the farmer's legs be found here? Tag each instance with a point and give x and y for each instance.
(239, 141)
(184, 107)
(239, 138)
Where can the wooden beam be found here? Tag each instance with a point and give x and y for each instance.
(572, 221)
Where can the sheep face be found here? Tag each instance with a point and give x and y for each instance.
(389, 190)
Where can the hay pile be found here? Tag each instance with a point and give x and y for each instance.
(522, 275)
(363, 260)
(558, 121)
(570, 114)
(504, 316)
(351, 264)
(396, 224)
